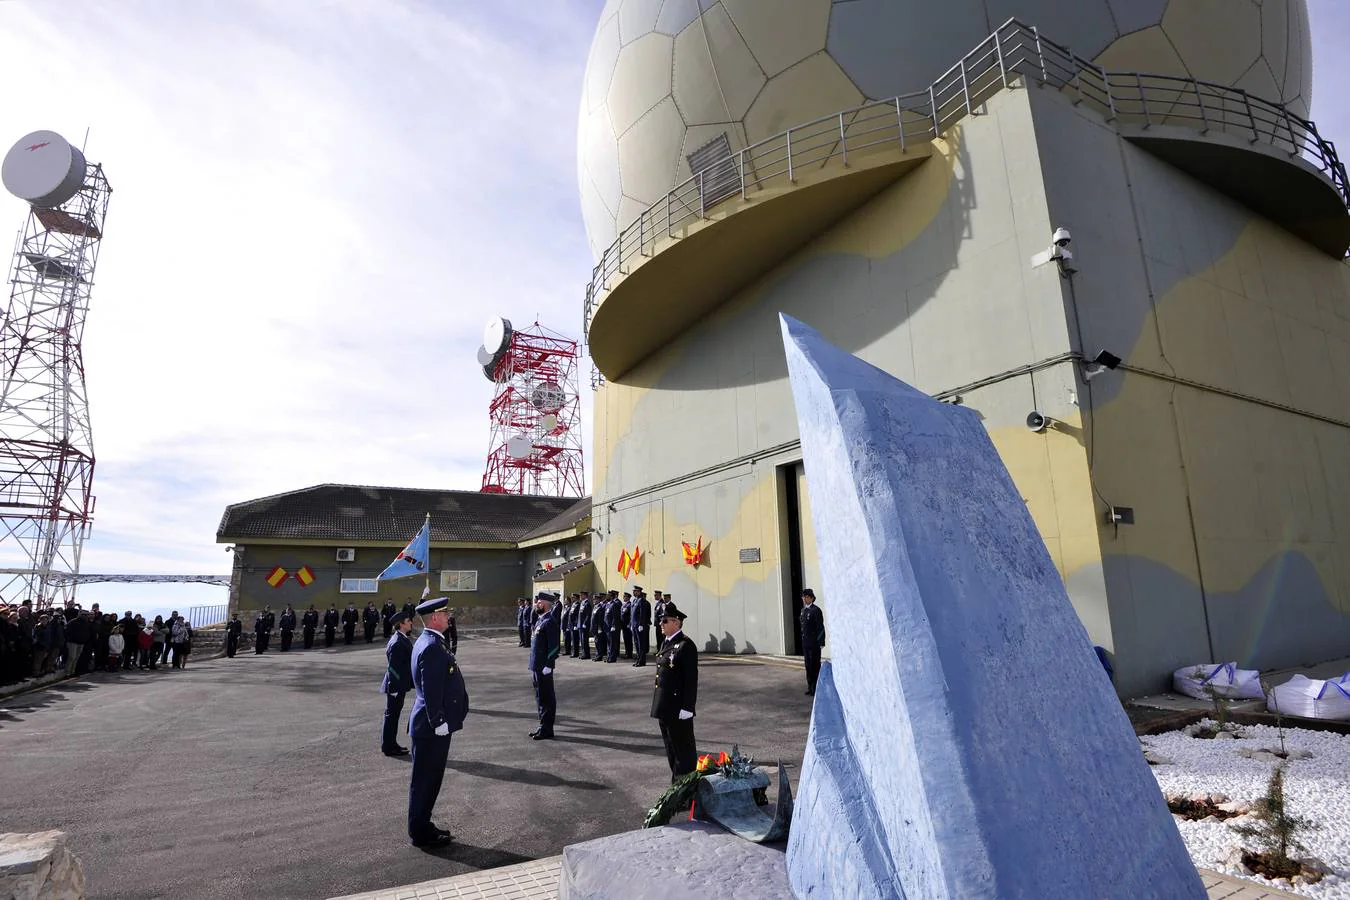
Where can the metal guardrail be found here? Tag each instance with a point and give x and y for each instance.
(200, 616)
(1013, 51)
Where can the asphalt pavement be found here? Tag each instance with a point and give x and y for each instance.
(262, 776)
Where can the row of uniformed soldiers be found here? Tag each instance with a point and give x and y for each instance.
(617, 623)
(371, 618)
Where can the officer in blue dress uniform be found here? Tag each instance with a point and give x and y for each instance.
(676, 693)
(613, 617)
(642, 620)
(439, 710)
(812, 623)
(584, 618)
(543, 657)
(397, 682)
(523, 621)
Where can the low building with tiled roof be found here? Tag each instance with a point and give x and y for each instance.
(327, 544)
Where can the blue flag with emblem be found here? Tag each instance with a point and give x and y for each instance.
(414, 558)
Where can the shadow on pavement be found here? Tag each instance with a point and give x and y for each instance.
(515, 775)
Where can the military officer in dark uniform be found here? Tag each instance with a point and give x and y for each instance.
(387, 617)
(658, 610)
(676, 693)
(410, 608)
(599, 630)
(262, 631)
(350, 618)
(565, 624)
(584, 618)
(451, 632)
(330, 624)
(626, 623)
(523, 621)
(233, 631)
(812, 622)
(439, 710)
(543, 657)
(613, 625)
(370, 620)
(308, 623)
(642, 620)
(287, 628)
(397, 682)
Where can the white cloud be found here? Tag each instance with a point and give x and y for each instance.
(316, 207)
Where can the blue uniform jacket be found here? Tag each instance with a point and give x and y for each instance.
(612, 615)
(441, 695)
(585, 616)
(642, 613)
(398, 672)
(544, 645)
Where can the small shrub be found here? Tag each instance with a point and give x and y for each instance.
(1275, 832)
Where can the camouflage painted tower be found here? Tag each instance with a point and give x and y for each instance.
(1114, 235)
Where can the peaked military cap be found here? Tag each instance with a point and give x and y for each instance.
(673, 612)
(435, 604)
(399, 617)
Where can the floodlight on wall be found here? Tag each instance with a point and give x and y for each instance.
(1102, 362)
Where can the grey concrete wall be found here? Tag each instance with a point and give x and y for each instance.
(502, 577)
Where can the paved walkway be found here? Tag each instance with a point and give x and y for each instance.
(538, 880)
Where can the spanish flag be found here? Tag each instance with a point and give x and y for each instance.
(634, 560)
(277, 576)
(624, 562)
(304, 576)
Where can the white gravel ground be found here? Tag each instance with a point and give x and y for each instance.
(1317, 788)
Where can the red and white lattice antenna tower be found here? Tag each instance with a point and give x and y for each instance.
(46, 441)
(535, 412)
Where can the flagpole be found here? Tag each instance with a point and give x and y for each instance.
(427, 591)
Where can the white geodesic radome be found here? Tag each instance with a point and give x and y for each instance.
(667, 77)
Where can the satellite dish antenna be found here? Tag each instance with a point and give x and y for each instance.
(548, 397)
(548, 423)
(484, 357)
(519, 447)
(497, 335)
(43, 169)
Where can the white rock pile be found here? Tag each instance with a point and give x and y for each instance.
(1234, 773)
(39, 867)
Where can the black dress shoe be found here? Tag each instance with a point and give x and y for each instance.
(439, 839)
(810, 693)
(534, 733)
(395, 750)
(540, 736)
(441, 832)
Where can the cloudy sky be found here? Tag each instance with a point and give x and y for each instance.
(317, 205)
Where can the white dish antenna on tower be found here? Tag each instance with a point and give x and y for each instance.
(548, 424)
(519, 447)
(43, 169)
(484, 357)
(497, 335)
(548, 397)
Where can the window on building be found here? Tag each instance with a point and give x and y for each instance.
(360, 586)
(459, 580)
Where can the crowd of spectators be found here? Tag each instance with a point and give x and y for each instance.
(72, 640)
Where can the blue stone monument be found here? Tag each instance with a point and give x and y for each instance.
(965, 742)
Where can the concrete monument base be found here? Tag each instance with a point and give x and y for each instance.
(685, 861)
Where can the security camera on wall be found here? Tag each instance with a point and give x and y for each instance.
(1058, 252)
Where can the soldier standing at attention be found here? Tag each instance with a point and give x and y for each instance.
(812, 623)
(233, 631)
(598, 628)
(451, 632)
(613, 617)
(522, 621)
(308, 623)
(387, 617)
(350, 617)
(439, 710)
(584, 615)
(262, 629)
(676, 693)
(370, 619)
(287, 628)
(330, 624)
(626, 623)
(642, 620)
(543, 657)
(658, 610)
(397, 682)
(565, 624)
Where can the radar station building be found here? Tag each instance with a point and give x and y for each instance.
(1116, 236)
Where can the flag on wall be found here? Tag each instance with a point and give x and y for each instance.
(693, 555)
(304, 576)
(624, 562)
(634, 560)
(277, 576)
(412, 559)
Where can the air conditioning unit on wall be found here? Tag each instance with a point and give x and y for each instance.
(346, 554)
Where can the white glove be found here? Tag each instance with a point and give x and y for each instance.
(547, 671)
(443, 729)
(686, 714)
